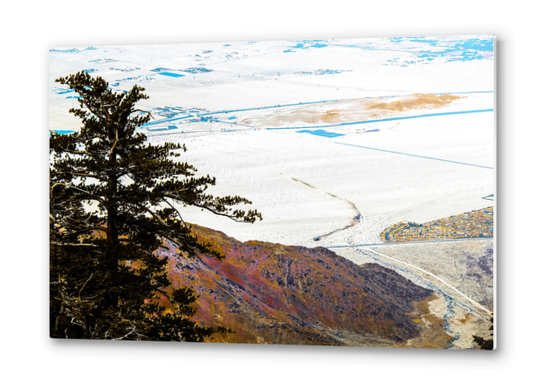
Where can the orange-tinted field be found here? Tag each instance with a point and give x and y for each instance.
(352, 110)
(477, 223)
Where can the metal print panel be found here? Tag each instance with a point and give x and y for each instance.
(320, 192)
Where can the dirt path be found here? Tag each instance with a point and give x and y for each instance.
(356, 220)
(436, 277)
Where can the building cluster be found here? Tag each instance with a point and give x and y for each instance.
(477, 223)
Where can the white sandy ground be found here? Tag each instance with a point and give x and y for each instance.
(385, 187)
(307, 186)
(464, 291)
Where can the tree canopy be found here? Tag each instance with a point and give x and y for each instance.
(115, 200)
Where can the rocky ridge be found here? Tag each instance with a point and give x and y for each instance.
(277, 294)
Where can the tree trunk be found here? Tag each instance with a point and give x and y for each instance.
(112, 230)
(112, 214)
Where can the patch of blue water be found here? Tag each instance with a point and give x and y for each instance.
(306, 44)
(125, 69)
(472, 49)
(318, 72)
(168, 128)
(62, 131)
(422, 40)
(451, 50)
(170, 74)
(396, 39)
(327, 72)
(73, 50)
(197, 70)
(103, 61)
(477, 44)
(207, 118)
(321, 132)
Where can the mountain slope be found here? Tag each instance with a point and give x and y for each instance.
(271, 293)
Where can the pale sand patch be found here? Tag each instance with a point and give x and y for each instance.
(416, 101)
(431, 321)
(347, 111)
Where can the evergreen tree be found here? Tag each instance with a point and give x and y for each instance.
(113, 200)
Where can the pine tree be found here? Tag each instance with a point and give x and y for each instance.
(114, 201)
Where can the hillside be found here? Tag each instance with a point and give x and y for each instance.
(477, 223)
(271, 293)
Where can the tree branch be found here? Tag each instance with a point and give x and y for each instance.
(178, 213)
(92, 196)
(210, 209)
(153, 214)
(84, 285)
(140, 110)
(89, 229)
(73, 244)
(79, 174)
(116, 141)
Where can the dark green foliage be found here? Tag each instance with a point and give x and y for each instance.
(486, 344)
(113, 202)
